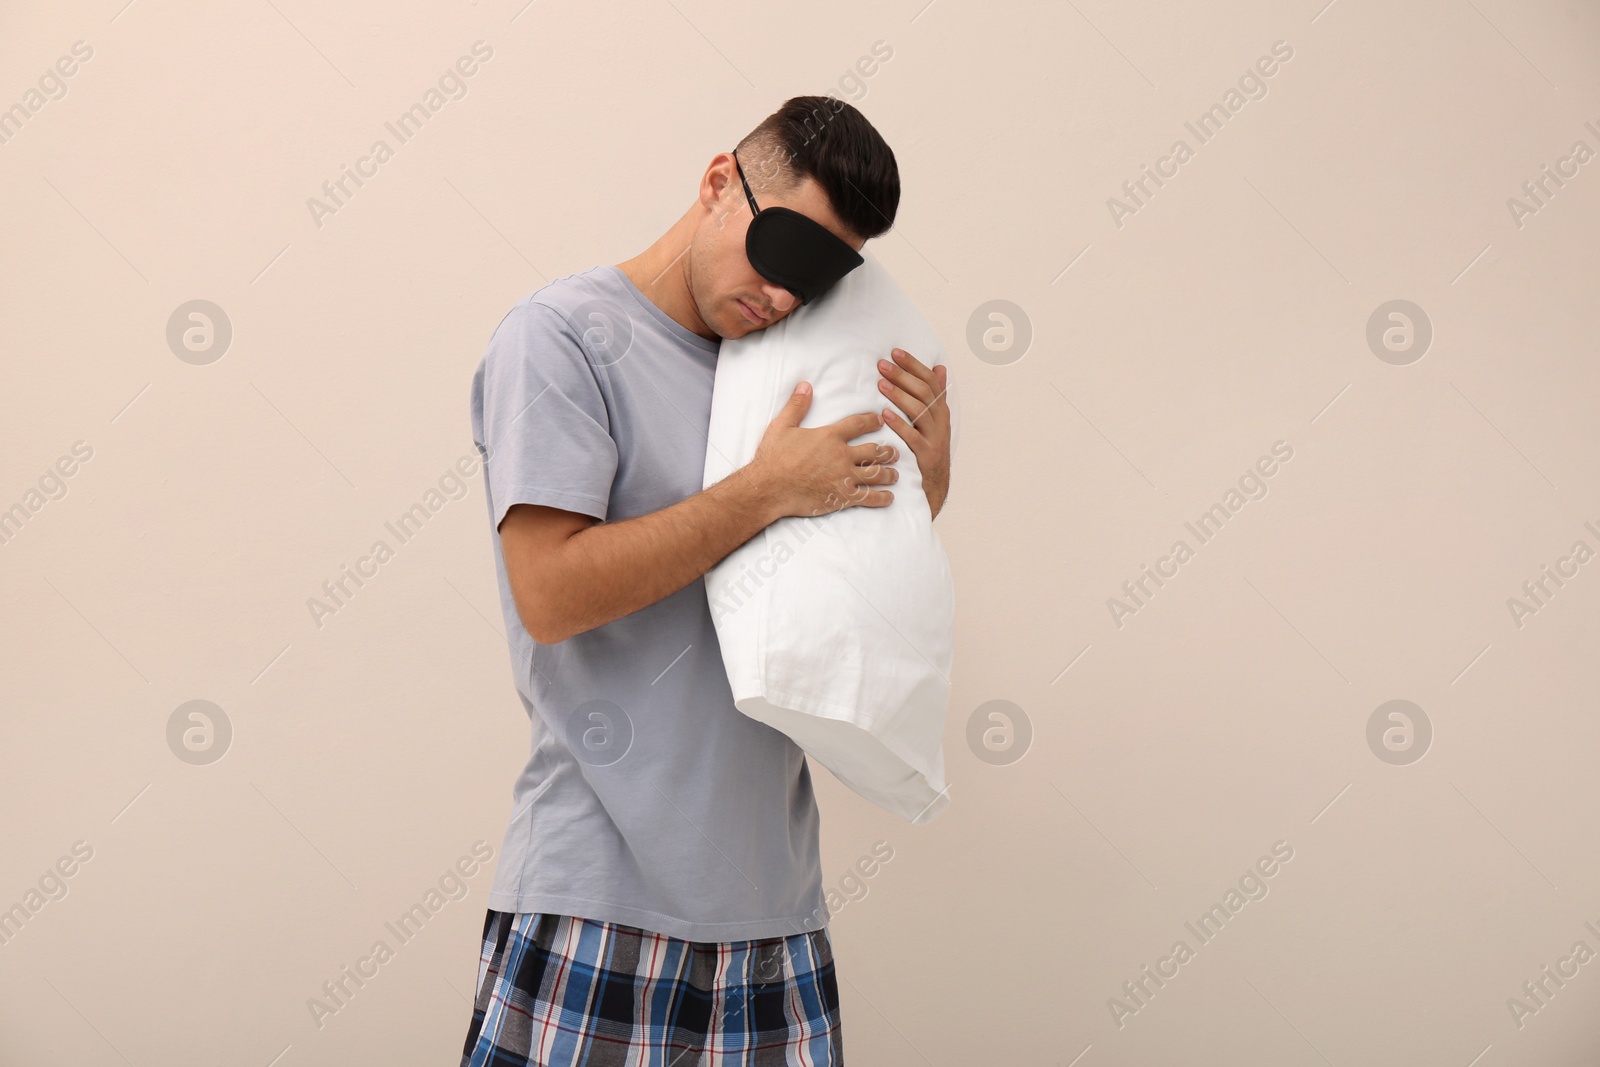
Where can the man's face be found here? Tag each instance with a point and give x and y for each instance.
(731, 297)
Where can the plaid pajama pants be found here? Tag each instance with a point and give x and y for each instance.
(559, 991)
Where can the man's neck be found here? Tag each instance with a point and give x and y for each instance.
(662, 274)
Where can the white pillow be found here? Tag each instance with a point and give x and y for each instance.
(836, 629)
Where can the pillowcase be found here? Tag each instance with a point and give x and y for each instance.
(837, 629)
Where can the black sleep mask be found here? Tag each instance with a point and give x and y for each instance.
(795, 252)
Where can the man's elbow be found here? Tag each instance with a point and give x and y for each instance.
(537, 610)
(543, 626)
(548, 637)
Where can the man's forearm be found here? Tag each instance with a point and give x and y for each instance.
(612, 569)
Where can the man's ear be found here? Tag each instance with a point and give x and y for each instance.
(720, 202)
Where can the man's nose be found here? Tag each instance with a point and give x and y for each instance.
(781, 299)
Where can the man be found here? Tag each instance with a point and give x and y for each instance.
(659, 892)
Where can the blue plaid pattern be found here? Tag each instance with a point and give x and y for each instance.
(560, 991)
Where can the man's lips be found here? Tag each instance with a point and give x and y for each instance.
(751, 313)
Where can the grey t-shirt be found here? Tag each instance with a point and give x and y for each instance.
(648, 799)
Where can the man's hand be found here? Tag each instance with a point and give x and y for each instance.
(919, 392)
(814, 470)
(570, 573)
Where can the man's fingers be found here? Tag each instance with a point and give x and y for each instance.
(853, 426)
(872, 474)
(867, 496)
(914, 406)
(872, 452)
(941, 379)
(795, 408)
(911, 363)
(908, 431)
(909, 374)
(876, 498)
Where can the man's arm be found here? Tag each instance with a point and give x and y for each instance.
(570, 573)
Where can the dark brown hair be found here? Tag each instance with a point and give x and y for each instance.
(830, 141)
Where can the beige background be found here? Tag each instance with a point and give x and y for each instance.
(1226, 314)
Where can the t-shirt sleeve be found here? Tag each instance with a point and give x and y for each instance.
(546, 428)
